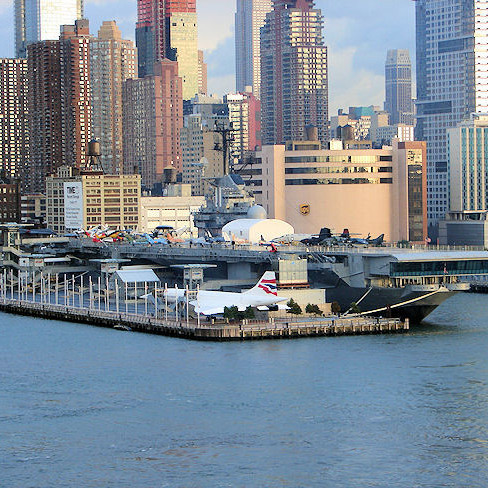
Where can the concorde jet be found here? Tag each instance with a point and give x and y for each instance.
(262, 296)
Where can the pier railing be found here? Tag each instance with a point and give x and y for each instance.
(193, 329)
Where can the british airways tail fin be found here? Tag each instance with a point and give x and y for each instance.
(266, 285)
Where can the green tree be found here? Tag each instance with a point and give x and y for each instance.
(313, 309)
(293, 307)
(231, 313)
(249, 313)
(336, 308)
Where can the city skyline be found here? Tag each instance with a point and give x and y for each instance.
(356, 59)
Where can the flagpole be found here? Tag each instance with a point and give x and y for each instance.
(198, 305)
(90, 305)
(49, 288)
(176, 307)
(145, 298)
(99, 293)
(82, 293)
(156, 300)
(135, 297)
(187, 305)
(56, 291)
(73, 280)
(166, 302)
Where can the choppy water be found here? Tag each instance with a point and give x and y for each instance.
(88, 407)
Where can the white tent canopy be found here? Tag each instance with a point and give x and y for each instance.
(255, 230)
(138, 276)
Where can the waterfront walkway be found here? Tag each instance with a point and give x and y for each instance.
(210, 331)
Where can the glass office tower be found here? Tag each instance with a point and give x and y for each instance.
(452, 82)
(40, 20)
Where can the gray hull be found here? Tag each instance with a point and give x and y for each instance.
(379, 298)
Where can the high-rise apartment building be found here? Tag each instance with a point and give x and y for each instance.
(398, 87)
(46, 136)
(452, 81)
(202, 74)
(294, 81)
(152, 119)
(59, 103)
(76, 89)
(112, 61)
(13, 119)
(40, 20)
(249, 19)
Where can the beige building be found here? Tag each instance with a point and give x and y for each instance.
(183, 39)
(112, 61)
(175, 210)
(368, 191)
(106, 200)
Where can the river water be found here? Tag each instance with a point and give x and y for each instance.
(87, 407)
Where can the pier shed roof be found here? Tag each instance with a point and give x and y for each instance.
(138, 276)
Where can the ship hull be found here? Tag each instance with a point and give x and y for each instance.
(417, 304)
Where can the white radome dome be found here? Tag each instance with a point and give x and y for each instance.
(257, 212)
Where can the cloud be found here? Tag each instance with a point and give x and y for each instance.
(215, 22)
(349, 86)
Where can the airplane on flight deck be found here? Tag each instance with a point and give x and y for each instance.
(262, 296)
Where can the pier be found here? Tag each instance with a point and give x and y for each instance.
(209, 331)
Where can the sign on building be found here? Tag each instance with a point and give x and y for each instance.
(73, 205)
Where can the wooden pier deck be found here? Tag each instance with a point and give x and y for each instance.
(208, 331)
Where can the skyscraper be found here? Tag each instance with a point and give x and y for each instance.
(46, 144)
(13, 120)
(167, 29)
(398, 86)
(182, 42)
(59, 103)
(249, 19)
(294, 80)
(452, 82)
(41, 20)
(152, 119)
(112, 61)
(145, 36)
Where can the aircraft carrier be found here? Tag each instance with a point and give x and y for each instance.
(388, 281)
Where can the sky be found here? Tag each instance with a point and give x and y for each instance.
(357, 32)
